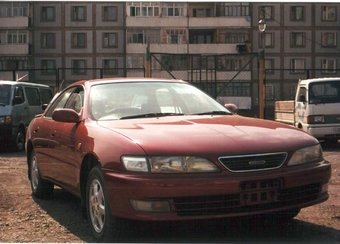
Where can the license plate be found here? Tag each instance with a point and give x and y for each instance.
(258, 192)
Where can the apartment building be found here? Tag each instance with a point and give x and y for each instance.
(301, 40)
(198, 42)
(75, 39)
(212, 44)
(15, 48)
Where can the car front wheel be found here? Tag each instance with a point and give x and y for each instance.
(103, 225)
(40, 188)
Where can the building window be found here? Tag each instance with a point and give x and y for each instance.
(269, 92)
(236, 89)
(328, 65)
(233, 37)
(297, 39)
(297, 65)
(201, 36)
(110, 66)
(328, 39)
(144, 9)
(173, 9)
(174, 62)
(109, 13)
(266, 12)
(135, 61)
(143, 36)
(297, 13)
(176, 36)
(78, 40)
(201, 12)
(78, 13)
(13, 9)
(48, 14)
(231, 63)
(267, 39)
(47, 40)
(78, 66)
(17, 37)
(109, 40)
(48, 67)
(232, 9)
(268, 65)
(329, 13)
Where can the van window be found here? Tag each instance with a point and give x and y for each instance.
(5, 92)
(19, 92)
(33, 96)
(46, 95)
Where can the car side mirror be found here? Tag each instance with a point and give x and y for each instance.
(44, 106)
(231, 107)
(17, 100)
(66, 115)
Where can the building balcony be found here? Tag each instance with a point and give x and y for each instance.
(189, 22)
(14, 49)
(209, 48)
(14, 22)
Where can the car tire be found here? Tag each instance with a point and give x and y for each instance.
(19, 143)
(104, 226)
(40, 188)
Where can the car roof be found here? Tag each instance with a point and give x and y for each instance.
(125, 80)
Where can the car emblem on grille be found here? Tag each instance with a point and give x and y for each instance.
(257, 162)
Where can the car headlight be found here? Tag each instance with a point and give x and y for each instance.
(169, 164)
(5, 119)
(306, 155)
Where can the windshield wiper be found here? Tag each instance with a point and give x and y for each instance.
(150, 115)
(214, 113)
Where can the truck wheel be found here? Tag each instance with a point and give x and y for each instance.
(40, 188)
(19, 143)
(103, 225)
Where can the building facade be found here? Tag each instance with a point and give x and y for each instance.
(212, 44)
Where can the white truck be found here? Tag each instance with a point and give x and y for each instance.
(316, 108)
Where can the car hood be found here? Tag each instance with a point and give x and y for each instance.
(231, 134)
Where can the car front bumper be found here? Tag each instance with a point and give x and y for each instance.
(218, 195)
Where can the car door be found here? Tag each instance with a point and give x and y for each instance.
(63, 134)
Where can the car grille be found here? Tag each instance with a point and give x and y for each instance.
(255, 162)
(235, 203)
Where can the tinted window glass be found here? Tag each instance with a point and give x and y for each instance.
(33, 96)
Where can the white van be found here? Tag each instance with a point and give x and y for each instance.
(19, 103)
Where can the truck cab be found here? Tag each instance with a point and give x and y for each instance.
(317, 108)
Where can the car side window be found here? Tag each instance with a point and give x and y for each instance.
(46, 95)
(75, 101)
(60, 102)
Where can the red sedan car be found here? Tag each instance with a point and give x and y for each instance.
(162, 150)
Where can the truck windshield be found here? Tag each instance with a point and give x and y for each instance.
(324, 92)
(5, 95)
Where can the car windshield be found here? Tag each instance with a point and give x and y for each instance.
(5, 95)
(324, 92)
(150, 99)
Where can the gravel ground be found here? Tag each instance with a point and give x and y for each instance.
(26, 219)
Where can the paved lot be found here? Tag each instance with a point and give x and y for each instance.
(25, 219)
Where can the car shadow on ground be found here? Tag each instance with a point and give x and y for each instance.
(65, 209)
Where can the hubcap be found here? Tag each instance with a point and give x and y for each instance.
(34, 173)
(97, 206)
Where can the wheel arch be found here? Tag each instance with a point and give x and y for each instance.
(89, 161)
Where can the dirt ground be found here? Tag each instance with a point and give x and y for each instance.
(26, 219)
